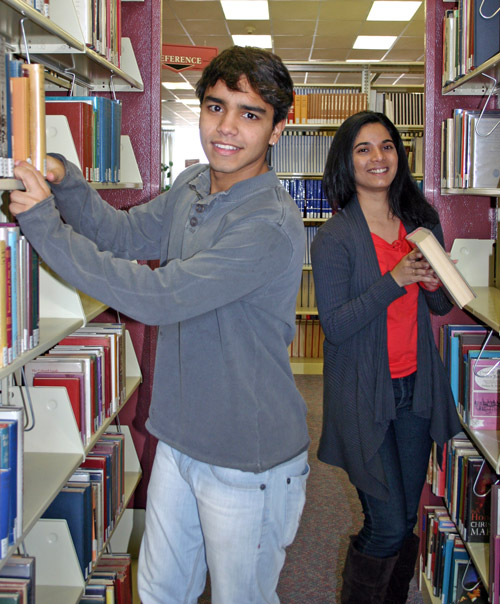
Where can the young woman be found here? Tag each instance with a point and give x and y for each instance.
(386, 394)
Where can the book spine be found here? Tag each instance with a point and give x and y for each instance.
(37, 116)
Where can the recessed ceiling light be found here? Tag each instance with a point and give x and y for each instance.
(393, 11)
(242, 10)
(177, 85)
(253, 40)
(374, 42)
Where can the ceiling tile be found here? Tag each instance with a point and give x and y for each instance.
(295, 9)
(348, 9)
(209, 9)
(291, 28)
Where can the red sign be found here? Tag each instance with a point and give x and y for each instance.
(179, 57)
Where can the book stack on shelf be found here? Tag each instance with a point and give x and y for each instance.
(22, 112)
(309, 196)
(462, 136)
(101, 27)
(93, 498)
(299, 152)
(470, 148)
(402, 108)
(471, 354)
(41, 444)
(470, 37)
(445, 564)
(325, 105)
(11, 477)
(90, 365)
(95, 124)
(306, 298)
(111, 581)
(19, 295)
(311, 231)
(17, 580)
(308, 340)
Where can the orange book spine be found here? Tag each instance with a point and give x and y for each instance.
(19, 88)
(37, 116)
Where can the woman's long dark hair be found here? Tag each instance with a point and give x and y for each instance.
(406, 200)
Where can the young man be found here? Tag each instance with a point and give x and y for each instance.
(228, 482)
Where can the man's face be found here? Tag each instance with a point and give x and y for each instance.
(236, 128)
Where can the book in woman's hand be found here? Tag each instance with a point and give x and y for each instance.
(443, 266)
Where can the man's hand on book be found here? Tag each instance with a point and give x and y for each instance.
(36, 187)
(413, 268)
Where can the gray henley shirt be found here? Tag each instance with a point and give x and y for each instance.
(223, 297)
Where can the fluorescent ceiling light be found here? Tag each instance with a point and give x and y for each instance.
(177, 85)
(374, 42)
(361, 61)
(190, 102)
(242, 10)
(253, 40)
(393, 11)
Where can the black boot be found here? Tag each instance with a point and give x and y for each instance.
(365, 577)
(402, 574)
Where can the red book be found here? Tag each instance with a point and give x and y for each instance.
(99, 462)
(75, 386)
(80, 119)
(104, 342)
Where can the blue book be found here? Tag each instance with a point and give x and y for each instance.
(116, 129)
(453, 360)
(97, 103)
(5, 487)
(74, 505)
(447, 558)
(486, 24)
(14, 416)
(8, 460)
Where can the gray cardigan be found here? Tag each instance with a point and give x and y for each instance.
(224, 300)
(353, 298)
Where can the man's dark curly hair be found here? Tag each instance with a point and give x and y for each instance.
(264, 70)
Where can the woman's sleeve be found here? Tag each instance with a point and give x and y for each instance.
(342, 315)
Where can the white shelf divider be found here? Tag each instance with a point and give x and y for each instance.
(63, 15)
(128, 64)
(58, 299)
(59, 579)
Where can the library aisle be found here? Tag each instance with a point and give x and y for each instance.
(312, 572)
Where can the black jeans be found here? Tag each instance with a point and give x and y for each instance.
(405, 456)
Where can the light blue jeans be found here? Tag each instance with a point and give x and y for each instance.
(236, 523)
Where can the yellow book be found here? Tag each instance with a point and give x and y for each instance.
(19, 89)
(443, 266)
(38, 149)
(303, 109)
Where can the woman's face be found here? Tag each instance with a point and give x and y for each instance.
(375, 159)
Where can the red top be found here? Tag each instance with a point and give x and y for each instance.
(402, 313)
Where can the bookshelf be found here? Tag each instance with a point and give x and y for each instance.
(300, 156)
(53, 448)
(464, 214)
(58, 43)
